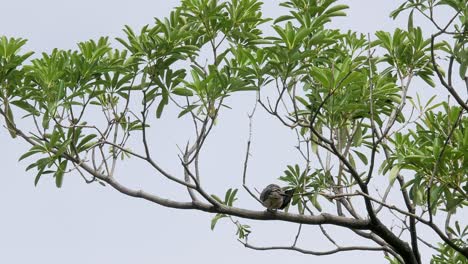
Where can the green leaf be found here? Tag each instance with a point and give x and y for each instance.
(161, 106)
(62, 148)
(243, 231)
(187, 109)
(410, 21)
(397, 11)
(83, 143)
(361, 156)
(394, 173)
(357, 139)
(10, 120)
(314, 199)
(29, 153)
(38, 176)
(217, 198)
(60, 172)
(321, 76)
(215, 220)
(25, 106)
(182, 92)
(45, 120)
(230, 197)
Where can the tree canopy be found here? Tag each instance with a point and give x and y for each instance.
(356, 103)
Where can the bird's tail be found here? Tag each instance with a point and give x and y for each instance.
(288, 194)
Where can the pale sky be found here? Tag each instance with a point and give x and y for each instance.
(82, 223)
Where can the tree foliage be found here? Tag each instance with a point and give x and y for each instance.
(349, 98)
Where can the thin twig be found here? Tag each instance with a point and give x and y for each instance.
(247, 154)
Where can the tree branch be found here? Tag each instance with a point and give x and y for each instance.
(315, 253)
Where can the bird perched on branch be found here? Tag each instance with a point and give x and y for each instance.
(274, 197)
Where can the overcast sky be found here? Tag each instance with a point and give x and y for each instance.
(83, 223)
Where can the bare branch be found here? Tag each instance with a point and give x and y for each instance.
(447, 86)
(299, 229)
(316, 253)
(187, 176)
(247, 154)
